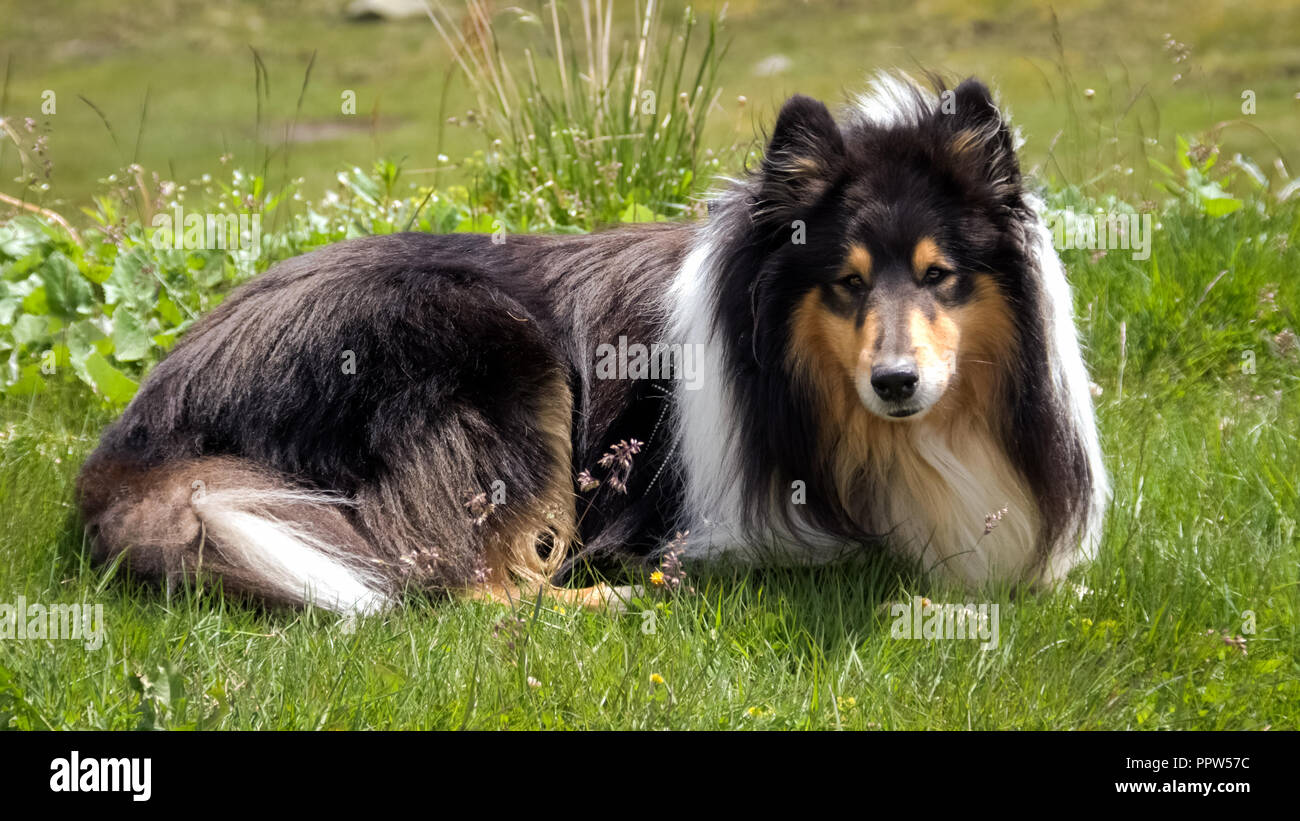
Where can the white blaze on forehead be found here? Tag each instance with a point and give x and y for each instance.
(893, 99)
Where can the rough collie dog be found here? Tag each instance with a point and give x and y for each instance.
(869, 342)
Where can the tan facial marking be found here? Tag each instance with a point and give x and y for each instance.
(987, 328)
(988, 342)
(859, 262)
(985, 343)
(821, 335)
(927, 253)
(964, 348)
(826, 348)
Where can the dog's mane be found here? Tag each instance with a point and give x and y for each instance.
(753, 421)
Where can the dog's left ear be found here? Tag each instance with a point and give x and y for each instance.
(804, 156)
(978, 138)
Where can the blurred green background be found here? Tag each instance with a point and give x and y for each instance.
(175, 80)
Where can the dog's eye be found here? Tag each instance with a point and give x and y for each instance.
(853, 282)
(934, 275)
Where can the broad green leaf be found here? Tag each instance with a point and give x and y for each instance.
(83, 339)
(30, 328)
(1221, 206)
(97, 273)
(168, 311)
(23, 267)
(9, 304)
(130, 338)
(636, 212)
(106, 380)
(69, 293)
(166, 339)
(22, 235)
(130, 282)
(210, 270)
(30, 381)
(36, 302)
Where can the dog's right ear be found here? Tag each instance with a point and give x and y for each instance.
(804, 157)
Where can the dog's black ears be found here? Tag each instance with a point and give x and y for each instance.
(804, 156)
(979, 140)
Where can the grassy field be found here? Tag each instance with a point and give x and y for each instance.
(176, 79)
(1192, 615)
(1204, 459)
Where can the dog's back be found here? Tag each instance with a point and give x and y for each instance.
(321, 433)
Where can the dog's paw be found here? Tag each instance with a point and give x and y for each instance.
(613, 600)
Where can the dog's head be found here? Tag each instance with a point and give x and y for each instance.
(892, 304)
(895, 233)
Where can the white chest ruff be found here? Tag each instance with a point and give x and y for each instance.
(961, 511)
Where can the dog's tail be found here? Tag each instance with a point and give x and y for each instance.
(219, 517)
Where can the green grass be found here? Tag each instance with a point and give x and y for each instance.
(191, 60)
(1204, 460)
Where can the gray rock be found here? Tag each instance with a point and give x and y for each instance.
(385, 9)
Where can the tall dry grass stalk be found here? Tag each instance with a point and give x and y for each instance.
(590, 124)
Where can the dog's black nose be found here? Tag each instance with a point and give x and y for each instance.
(894, 383)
